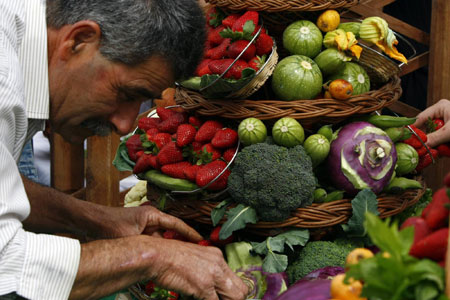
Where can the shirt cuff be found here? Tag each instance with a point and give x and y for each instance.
(50, 267)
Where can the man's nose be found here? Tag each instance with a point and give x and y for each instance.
(125, 116)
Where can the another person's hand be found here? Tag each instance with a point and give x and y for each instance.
(440, 110)
(194, 270)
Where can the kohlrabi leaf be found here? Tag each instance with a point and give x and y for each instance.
(365, 201)
(219, 211)
(237, 218)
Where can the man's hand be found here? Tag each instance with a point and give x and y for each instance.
(440, 110)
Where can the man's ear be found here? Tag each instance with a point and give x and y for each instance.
(81, 36)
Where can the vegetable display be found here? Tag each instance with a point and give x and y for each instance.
(362, 156)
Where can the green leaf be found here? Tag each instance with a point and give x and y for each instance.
(237, 218)
(275, 263)
(293, 238)
(218, 212)
(365, 201)
(121, 161)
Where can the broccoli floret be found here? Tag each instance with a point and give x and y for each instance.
(272, 179)
(319, 254)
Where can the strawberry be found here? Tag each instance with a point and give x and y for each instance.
(264, 44)
(143, 163)
(164, 113)
(263, 30)
(146, 123)
(229, 154)
(210, 152)
(252, 16)
(237, 47)
(214, 36)
(256, 62)
(215, 240)
(149, 288)
(219, 51)
(202, 68)
(230, 20)
(169, 154)
(185, 134)
(207, 131)
(425, 160)
(134, 145)
(225, 138)
(197, 146)
(219, 66)
(171, 124)
(444, 149)
(191, 172)
(161, 139)
(151, 133)
(214, 16)
(173, 235)
(173, 295)
(194, 121)
(204, 243)
(237, 68)
(421, 151)
(139, 154)
(413, 140)
(434, 124)
(176, 170)
(209, 172)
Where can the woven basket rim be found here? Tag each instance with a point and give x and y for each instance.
(281, 5)
(317, 215)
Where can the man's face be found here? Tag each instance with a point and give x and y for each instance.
(91, 95)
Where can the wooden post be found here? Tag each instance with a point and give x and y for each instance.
(102, 178)
(439, 78)
(67, 164)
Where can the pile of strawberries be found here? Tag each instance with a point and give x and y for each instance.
(184, 147)
(424, 157)
(227, 37)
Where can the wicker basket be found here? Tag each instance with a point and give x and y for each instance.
(316, 216)
(280, 5)
(306, 111)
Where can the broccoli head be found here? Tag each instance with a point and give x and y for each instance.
(272, 179)
(319, 254)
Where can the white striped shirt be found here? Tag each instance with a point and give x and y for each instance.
(35, 266)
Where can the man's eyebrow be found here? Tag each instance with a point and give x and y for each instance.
(138, 90)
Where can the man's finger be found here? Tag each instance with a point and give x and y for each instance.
(172, 223)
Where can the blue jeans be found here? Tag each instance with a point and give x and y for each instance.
(26, 162)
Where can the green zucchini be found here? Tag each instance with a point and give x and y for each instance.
(169, 183)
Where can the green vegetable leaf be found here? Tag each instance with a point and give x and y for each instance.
(365, 201)
(121, 161)
(218, 212)
(293, 238)
(237, 218)
(275, 263)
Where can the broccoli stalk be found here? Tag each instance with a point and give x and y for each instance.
(272, 179)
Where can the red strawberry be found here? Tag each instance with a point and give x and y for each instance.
(247, 16)
(149, 288)
(146, 123)
(207, 131)
(169, 154)
(214, 17)
(151, 133)
(161, 139)
(191, 172)
(444, 149)
(225, 138)
(212, 153)
(214, 36)
(164, 113)
(153, 161)
(194, 121)
(176, 170)
(237, 68)
(220, 65)
(143, 163)
(139, 154)
(421, 151)
(173, 295)
(197, 146)
(173, 235)
(204, 243)
(209, 172)
(202, 68)
(256, 63)
(214, 237)
(263, 30)
(134, 145)
(185, 134)
(425, 160)
(434, 124)
(237, 47)
(264, 44)
(230, 20)
(219, 51)
(413, 140)
(229, 154)
(171, 124)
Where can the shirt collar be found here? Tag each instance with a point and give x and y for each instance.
(33, 57)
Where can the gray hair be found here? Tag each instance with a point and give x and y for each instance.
(134, 30)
